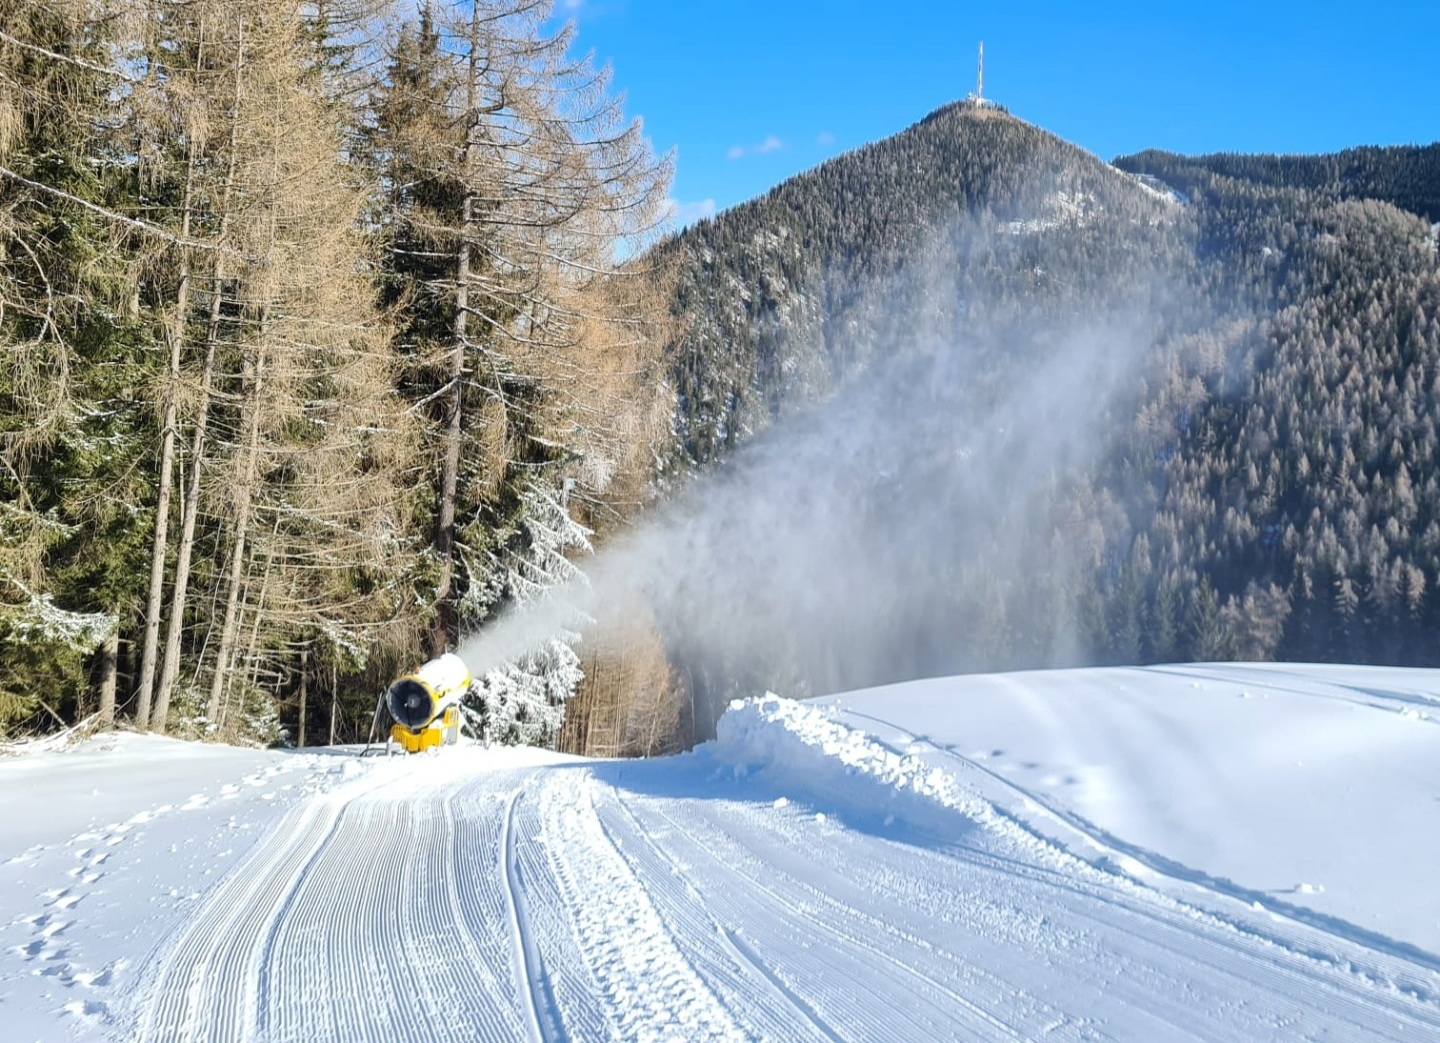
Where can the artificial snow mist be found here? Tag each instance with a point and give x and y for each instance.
(904, 525)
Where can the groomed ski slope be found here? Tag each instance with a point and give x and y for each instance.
(1207, 853)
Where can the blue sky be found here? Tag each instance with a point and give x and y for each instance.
(750, 92)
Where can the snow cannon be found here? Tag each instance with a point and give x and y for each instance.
(425, 705)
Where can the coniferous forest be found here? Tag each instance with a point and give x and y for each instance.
(331, 331)
(319, 346)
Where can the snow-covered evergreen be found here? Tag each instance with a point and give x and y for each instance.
(523, 702)
(39, 620)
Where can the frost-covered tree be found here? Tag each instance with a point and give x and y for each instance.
(524, 701)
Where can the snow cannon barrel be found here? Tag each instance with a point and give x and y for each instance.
(425, 704)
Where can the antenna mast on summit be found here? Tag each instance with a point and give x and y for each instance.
(978, 98)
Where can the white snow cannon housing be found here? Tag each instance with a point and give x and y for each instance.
(425, 705)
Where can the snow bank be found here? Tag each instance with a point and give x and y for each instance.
(804, 744)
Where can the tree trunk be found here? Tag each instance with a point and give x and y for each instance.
(244, 497)
(250, 652)
(450, 469)
(159, 546)
(109, 661)
(445, 624)
(304, 691)
(190, 509)
(156, 598)
(251, 409)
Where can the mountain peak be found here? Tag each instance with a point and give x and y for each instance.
(969, 108)
(785, 274)
(963, 157)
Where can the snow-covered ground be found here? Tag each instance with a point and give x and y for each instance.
(1311, 791)
(1199, 852)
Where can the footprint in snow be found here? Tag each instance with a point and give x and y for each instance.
(1301, 889)
(62, 972)
(86, 1010)
(54, 928)
(98, 979)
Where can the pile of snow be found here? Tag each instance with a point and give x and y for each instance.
(803, 744)
(791, 738)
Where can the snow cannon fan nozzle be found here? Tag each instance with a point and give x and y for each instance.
(411, 703)
(425, 704)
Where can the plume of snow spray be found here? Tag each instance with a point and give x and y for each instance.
(836, 550)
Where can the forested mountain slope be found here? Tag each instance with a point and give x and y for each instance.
(1407, 175)
(1185, 412)
(786, 294)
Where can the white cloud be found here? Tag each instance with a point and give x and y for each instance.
(770, 144)
(826, 139)
(574, 5)
(688, 213)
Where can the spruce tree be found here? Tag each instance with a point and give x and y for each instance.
(74, 356)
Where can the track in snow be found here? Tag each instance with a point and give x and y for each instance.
(364, 918)
(963, 942)
(541, 1021)
(441, 900)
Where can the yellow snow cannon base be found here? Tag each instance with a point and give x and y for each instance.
(443, 731)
